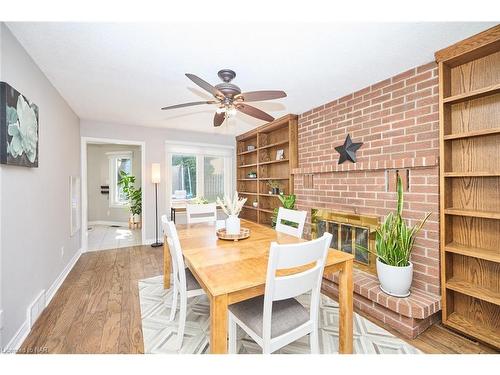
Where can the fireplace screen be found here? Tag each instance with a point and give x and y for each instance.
(351, 234)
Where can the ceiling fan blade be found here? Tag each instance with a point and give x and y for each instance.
(205, 85)
(219, 118)
(189, 104)
(254, 112)
(256, 96)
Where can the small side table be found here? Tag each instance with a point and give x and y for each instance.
(174, 210)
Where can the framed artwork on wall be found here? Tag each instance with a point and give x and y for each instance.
(18, 128)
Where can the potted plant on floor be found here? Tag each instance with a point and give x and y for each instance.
(394, 242)
(232, 208)
(134, 197)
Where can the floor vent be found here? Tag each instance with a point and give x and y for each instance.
(36, 308)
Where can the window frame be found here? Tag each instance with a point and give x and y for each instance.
(200, 151)
(113, 178)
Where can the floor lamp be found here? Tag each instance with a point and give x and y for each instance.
(155, 178)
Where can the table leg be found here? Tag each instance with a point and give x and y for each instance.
(166, 264)
(346, 308)
(218, 324)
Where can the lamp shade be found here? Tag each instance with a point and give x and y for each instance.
(155, 173)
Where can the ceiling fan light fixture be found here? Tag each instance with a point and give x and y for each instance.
(229, 98)
(231, 111)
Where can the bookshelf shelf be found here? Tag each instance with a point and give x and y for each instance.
(469, 201)
(280, 134)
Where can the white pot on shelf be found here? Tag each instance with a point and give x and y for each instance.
(395, 281)
(232, 224)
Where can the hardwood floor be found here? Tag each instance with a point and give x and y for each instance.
(96, 310)
(438, 339)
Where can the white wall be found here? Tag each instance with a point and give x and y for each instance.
(35, 202)
(2, 341)
(154, 139)
(98, 174)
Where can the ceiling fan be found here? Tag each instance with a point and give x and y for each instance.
(230, 99)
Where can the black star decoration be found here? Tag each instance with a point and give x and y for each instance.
(348, 150)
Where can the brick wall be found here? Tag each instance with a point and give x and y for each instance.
(397, 121)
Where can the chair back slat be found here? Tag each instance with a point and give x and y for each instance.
(297, 284)
(291, 216)
(299, 254)
(178, 267)
(201, 213)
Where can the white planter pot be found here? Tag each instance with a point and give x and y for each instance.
(395, 281)
(232, 224)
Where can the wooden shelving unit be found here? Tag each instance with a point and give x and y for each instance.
(281, 134)
(469, 100)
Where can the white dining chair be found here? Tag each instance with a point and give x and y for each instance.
(201, 213)
(277, 318)
(291, 216)
(185, 284)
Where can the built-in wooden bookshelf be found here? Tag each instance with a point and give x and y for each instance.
(256, 151)
(469, 100)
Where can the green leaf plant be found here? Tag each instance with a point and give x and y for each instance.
(394, 239)
(287, 201)
(134, 196)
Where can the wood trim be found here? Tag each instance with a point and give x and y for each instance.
(485, 91)
(468, 49)
(253, 133)
(472, 133)
(444, 74)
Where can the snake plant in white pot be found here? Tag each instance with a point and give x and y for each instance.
(394, 242)
(232, 208)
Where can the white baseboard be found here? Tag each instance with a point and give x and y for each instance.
(16, 341)
(108, 223)
(60, 279)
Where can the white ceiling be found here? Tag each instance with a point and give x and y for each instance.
(125, 72)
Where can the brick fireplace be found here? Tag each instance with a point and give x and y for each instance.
(397, 121)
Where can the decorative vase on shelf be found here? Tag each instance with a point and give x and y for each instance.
(232, 224)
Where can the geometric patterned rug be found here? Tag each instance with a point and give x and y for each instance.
(159, 333)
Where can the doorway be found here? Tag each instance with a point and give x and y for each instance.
(113, 176)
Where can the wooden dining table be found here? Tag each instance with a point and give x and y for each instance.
(234, 271)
